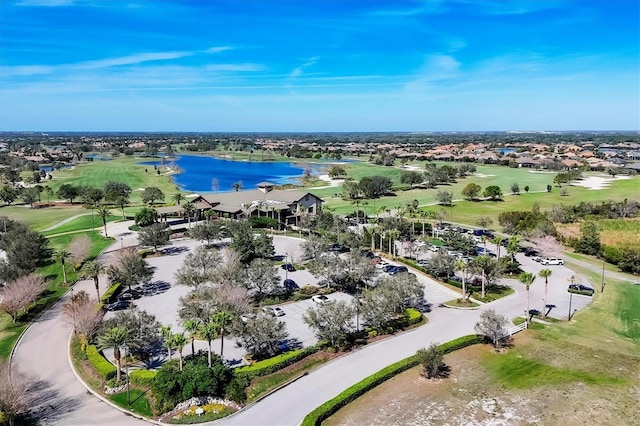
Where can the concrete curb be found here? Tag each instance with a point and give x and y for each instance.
(100, 397)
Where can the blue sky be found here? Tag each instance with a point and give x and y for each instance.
(330, 65)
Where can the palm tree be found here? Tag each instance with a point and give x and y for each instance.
(177, 198)
(165, 332)
(116, 338)
(104, 212)
(392, 235)
(462, 266)
(498, 242)
(178, 340)
(482, 264)
(545, 273)
(61, 256)
(527, 279)
(222, 319)
(208, 331)
(188, 209)
(92, 269)
(191, 326)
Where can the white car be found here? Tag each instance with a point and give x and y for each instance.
(551, 261)
(434, 248)
(321, 299)
(276, 311)
(381, 264)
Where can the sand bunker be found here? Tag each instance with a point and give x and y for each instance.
(597, 182)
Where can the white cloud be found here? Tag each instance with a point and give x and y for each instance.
(22, 70)
(132, 59)
(218, 49)
(297, 72)
(46, 3)
(234, 67)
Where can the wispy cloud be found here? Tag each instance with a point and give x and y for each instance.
(25, 70)
(298, 71)
(436, 68)
(235, 67)
(133, 59)
(424, 7)
(218, 49)
(48, 3)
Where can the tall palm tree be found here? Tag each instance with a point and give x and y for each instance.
(481, 264)
(165, 332)
(498, 242)
(188, 209)
(61, 256)
(116, 338)
(545, 273)
(208, 331)
(103, 212)
(462, 266)
(191, 326)
(178, 340)
(222, 320)
(392, 235)
(177, 198)
(527, 279)
(92, 269)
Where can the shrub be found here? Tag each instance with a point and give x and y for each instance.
(273, 364)
(103, 367)
(143, 377)
(611, 254)
(236, 389)
(144, 253)
(317, 416)
(413, 316)
(263, 222)
(111, 293)
(196, 379)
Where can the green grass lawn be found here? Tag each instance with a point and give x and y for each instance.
(43, 218)
(81, 223)
(139, 402)
(121, 169)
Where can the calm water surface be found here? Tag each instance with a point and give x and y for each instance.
(210, 174)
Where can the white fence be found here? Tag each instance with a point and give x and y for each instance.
(513, 330)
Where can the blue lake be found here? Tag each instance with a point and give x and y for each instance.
(210, 174)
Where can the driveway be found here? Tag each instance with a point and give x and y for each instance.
(63, 400)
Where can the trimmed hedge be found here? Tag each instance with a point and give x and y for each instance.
(143, 377)
(103, 367)
(323, 412)
(271, 365)
(413, 316)
(111, 293)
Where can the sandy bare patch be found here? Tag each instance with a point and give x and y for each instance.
(482, 175)
(331, 181)
(597, 182)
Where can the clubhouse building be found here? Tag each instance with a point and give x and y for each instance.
(285, 206)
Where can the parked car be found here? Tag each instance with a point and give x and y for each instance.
(119, 305)
(130, 295)
(382, 264)
(580, 288)
(276, 311)
(248, 317)
(389, 267)
(398, 270)
(321, 299)
(531, 253)
(551, 261)
(423, 262)
(434, 248)
(338, 248)
(288, 267)
(290, 284)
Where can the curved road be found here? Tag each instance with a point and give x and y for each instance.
(42, 351)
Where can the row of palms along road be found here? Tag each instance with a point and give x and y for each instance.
(62, 399)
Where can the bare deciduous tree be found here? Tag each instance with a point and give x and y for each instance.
(198, 267)
(17, 295)
(547, 246)
(261, 277)
(79, 248)
(16, 392)
(82, 312)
